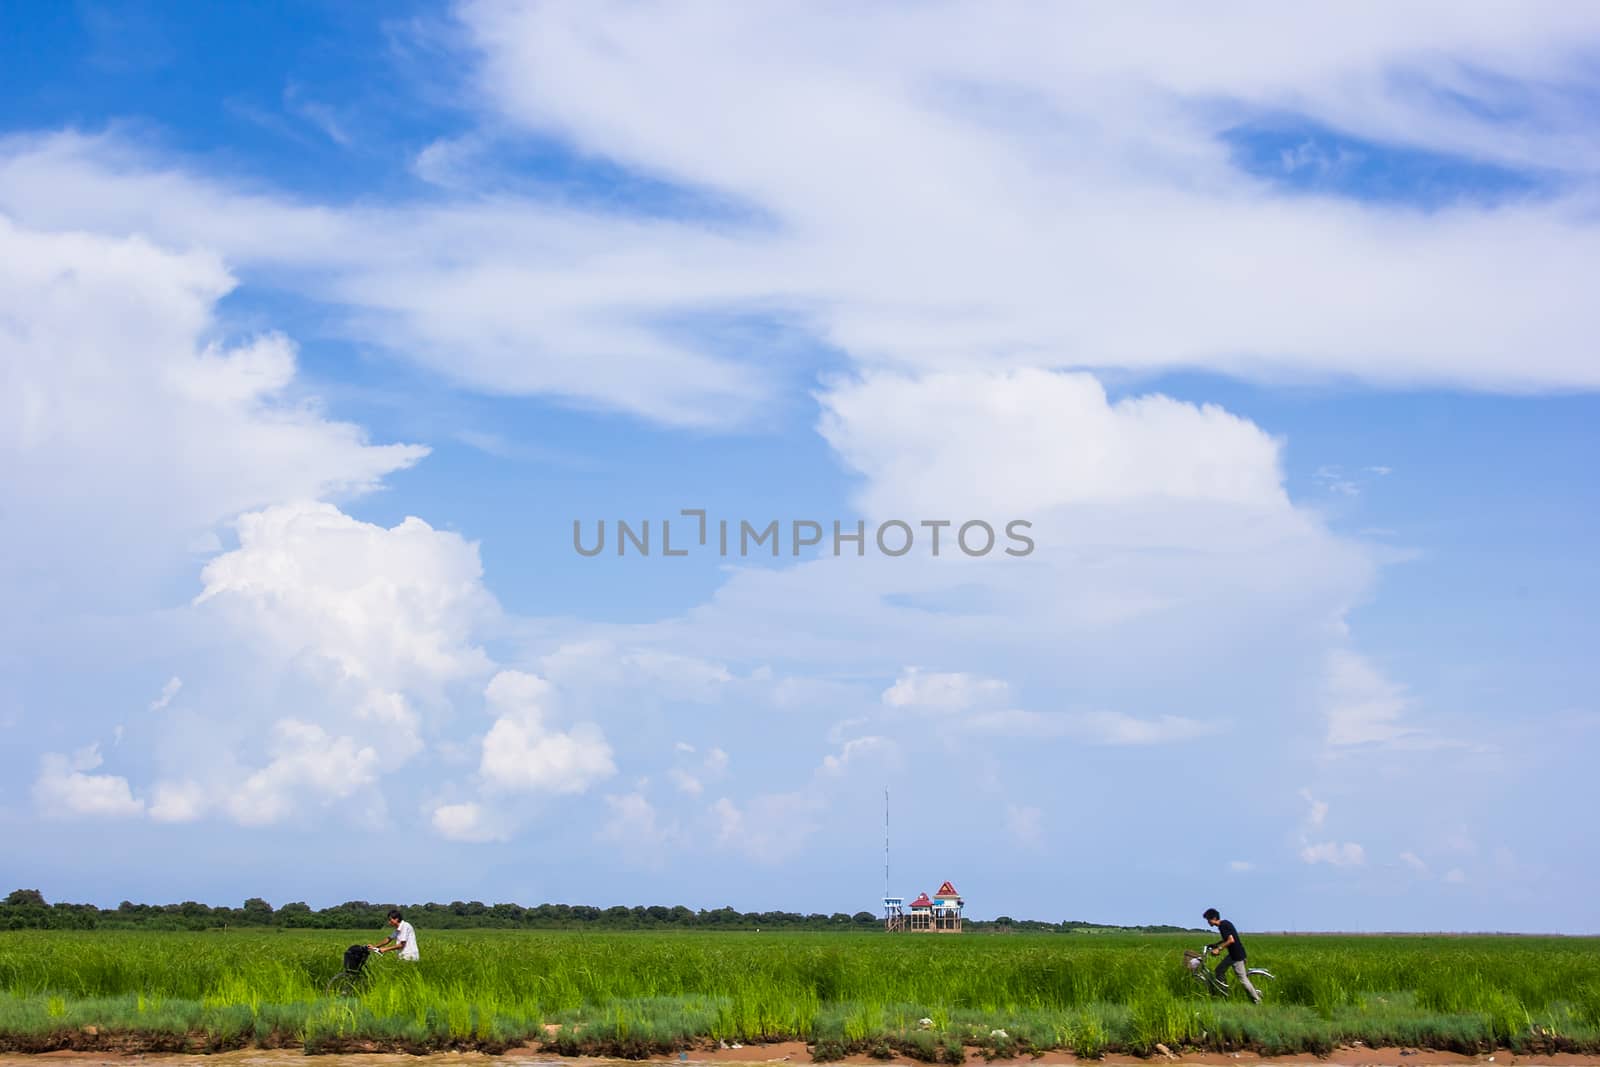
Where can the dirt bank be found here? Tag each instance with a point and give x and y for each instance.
(787, 1052)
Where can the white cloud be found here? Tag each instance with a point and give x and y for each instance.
(1240, 866)
(771, 827)
(129, 428)
(1090, 727)
(712, 766)
(168, 691)
(1080, 165)
(183, 801)
(308, 764)
(1318, 813)
(953, 691)
(522, 754)
(1363, 707)
(468, 822)
(373, 624)
(1415, 862)
(1348, 854)
(524, 312)
(1455, 876)
(598, 665)
(392, 608)
(947, 444)
(1333, 479)
(854, 751)
(1076, 164)
(65, 789)
(394, 721)
(635, 824)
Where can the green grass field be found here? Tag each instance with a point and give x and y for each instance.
(636, 994)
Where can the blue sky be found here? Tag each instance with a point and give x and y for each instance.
(321, 325)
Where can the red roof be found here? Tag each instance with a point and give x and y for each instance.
(922, 901)
(947, 890)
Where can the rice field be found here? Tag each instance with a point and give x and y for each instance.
(938, 999)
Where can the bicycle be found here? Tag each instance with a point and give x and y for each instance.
(355, 978)
(1207, 979)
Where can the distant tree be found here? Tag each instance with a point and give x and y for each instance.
(26, 898)
(296, 913)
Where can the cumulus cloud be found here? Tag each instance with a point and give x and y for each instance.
(65, 788)
(392, 607)
(521, 753)
(856, 750)
(307, 765)
(128, 428)
(132, 429)
(949, 443)
(372, 625)
(181, 801)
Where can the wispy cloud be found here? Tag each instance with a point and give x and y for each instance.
(320, 115)
(1094, 727)
(168, 691)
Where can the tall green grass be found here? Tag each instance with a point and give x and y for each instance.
(634, 993)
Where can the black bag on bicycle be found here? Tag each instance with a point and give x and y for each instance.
(355, 957)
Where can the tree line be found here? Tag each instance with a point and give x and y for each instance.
(27, 909)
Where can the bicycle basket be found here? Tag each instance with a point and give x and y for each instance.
(355, 957)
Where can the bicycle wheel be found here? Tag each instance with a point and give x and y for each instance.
(347, 984)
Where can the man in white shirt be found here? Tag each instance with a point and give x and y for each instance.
(403, 940)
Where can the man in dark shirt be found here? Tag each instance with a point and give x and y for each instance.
(1235, 948)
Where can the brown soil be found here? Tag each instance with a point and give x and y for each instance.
(793, 1052)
